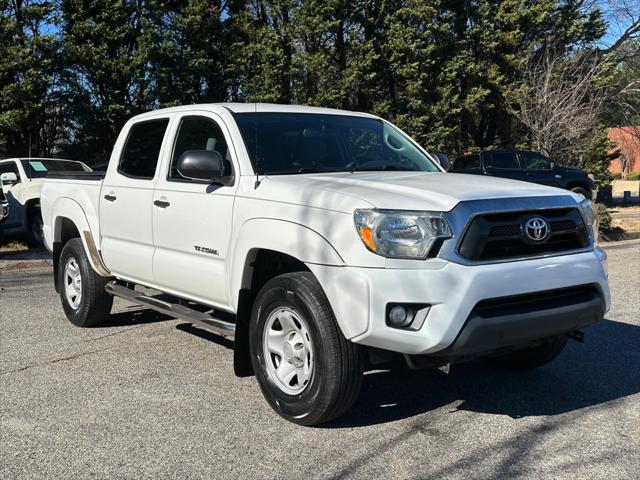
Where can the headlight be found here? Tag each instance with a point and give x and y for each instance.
(590, 219)
(400, 234)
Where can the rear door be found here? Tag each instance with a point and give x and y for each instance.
(539, 169)
(191, 218)
(503, 164)
(126, 201)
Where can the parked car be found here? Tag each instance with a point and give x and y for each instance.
(529, 167)
(323, 241)
(22, 179)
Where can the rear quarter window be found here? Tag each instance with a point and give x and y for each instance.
(140, 154)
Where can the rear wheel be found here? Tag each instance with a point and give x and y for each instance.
(534, 357)
(84, 300)
(308, 372)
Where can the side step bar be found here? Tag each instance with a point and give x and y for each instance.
(175, 310)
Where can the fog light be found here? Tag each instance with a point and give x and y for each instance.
(397, 315)
(407, 316)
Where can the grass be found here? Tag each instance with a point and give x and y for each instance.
(14, 247)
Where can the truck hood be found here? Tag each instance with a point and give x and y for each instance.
(345, 191)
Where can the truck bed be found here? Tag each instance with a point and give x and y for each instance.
(76, 175)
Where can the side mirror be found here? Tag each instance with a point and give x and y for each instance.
(9, 178)
(203, 165)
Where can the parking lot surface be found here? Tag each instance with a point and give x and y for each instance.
(152, 397)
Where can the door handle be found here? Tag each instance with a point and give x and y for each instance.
(531, 174)
(110, 198)
(161, 203)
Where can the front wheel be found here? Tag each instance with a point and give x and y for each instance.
(308, 372)
(84, 300)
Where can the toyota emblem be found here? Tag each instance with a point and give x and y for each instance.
(537, 229)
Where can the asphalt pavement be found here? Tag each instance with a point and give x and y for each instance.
(152, 397)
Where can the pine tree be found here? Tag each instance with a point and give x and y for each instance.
(29, 112)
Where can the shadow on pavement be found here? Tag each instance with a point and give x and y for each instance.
(606, 367)
(206, 335)
(134, 317)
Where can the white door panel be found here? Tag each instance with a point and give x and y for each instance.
(192, 240)
(126, 226)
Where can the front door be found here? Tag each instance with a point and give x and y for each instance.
(539, 169)
(126, 202)
(192, 219)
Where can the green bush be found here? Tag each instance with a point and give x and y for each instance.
(633, 176)
(616, 176)
(604, 217)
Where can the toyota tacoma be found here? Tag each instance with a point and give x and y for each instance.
(324, 242)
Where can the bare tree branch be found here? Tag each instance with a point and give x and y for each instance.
(560, 102)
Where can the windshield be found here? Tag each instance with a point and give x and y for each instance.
(38, 168)
(290, 143)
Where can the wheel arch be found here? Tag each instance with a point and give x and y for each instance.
(69, 221)
(579, 184)
(267, 248)
(287, 239)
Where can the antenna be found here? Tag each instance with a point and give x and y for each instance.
(255, 103)
(255, 144)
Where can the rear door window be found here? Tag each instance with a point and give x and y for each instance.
(504, 161)
(535, 161)
(467, 162)
(141, 151)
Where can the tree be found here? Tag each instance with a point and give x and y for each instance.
(29, 104)
(560, 102)
(106, 54)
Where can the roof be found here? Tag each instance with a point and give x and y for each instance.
(256, 107)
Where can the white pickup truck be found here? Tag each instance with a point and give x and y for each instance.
(22, 180)
(325, 242)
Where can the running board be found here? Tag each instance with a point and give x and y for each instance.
(175, 310)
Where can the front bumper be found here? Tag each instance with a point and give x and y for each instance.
(359, 296)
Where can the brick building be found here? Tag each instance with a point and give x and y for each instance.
(628, 144)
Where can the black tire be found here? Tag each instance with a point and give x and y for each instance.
(94, 303)
(337, 372)
(35, 233)
(530, 358)
(581, 191)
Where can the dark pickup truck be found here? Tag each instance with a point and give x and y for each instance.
(527, 166)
